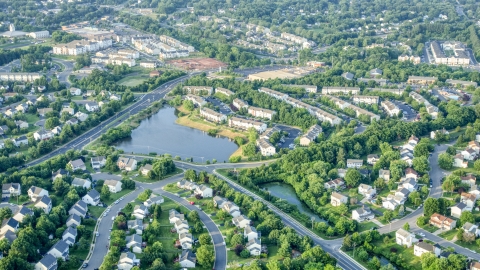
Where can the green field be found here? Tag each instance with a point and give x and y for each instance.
(133, 80)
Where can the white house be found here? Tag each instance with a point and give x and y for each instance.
(153, 201)
(22, 212)
(48, 262)
(241, 221)
(43, 135)
(361, 214)
(219, 202)
(404, 238)
(79, 182)
(384, 174)
(187, 259)
(140, 211)
(128, 164)
(75, 91)
(98, 162)
(254, 246)
(186, 240)
(127, 261)
(265, 147)
(92, 197)
(469, 154)
(423, 247)
(469, 200)
(354, 163)
(79, 208)
(137, 225)
(470, 228)
(334, 184)
(144, 170)
(181, 226)
(204, 191)
(59, 250)
(174, 216)
(43, 203)
(372, 159)
(69, 235)
(232, 209)
(73, 220)
(9, 225)
(411, 173)
(92, 106)
(367, 191)
(336, 199)
(11, 189)
(134, 242)
(458, 161)
(113, 185)
(81, 116)
(250, 232)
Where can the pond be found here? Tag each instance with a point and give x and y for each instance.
(159, 133)
(287, 193)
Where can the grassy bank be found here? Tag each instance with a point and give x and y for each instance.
(200, 124)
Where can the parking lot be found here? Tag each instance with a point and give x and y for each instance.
(223, 108)
(292, 134)
(409, 113)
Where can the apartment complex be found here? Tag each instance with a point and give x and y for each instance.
(212, 115)
(198, 90)
(260, 112)
(310, 135)
(390, 108)
(457, 55)
(366, 99)
(414, 59)
(265, 147)
(340, 90)
(308, 88)
(198, 101)
(78, 47)
(246, 124)
(421, 80)
(19, 77)
(432, 110)
(461, 83)
(224, 91)
(305, 43)
(398, 92)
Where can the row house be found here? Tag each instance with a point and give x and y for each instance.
(390, 108)
(224, 91)
(197, 101)
(198, 90)
(246, 124)
(261, 113)
(312, 133)
(326, 90)
(212, 115)
(240, 104)
(365, 99)
(273, 93)
(265, 147)
(442, 222)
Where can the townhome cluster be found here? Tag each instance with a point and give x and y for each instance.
(116, 57)
(406, 150)
(78, 47)
(359, 111)
(470, 153)
(165, 47)
(407, 184)
(254, 245)
(414, 59)
(254, 111)
(390, 108)
(320, 114)
(432, 110)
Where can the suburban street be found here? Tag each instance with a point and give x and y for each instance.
(67, 70)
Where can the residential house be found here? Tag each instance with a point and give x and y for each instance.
(250, 232)
(336, 199)
(74, 220)
(265, 147)
(471, 229)
(405, 238)
(43, 135)
(469, 200)
(473, 266)
(127, 261)
(140, 211)
(182, 226)
(254, 247)
(469, 180)
(408, 183)
(197, 101)
(21, 124)
(136, 224)
(11, 189)
(475, 146)
(153, 200)
(9, 224)
(246, 124)
(98, 162)
(144, 170)
(43, 203)
(48, 262)
(92, 106)
(69, 235)
(80, 208)
(458, 161)
(384, 174)
(128, 164)
(354, 163)
(469, 154)
(57, 130)
(348, 76)
(9, 235)
(69, 110)
(367, 191)
(376, 72)
(72, 121)
(174, 216)
(219, 202)
(411, 173)
(79, 182)
(232, 209)
(44, 111)
(186, 240)
(19, 141)
(92, 197)
(187, 259)
(212, 115)
(81, 116)
(423, 247)
(310, 135)
(260, 112)
(113, 185)
(204, 191)
(241, 221)
(190, 185)
(60, 250)
(115, 97)
(433, 134)
(224, 91)
(361, 214)
(22, 212)
(372, 159)
(442, 222)
(75, 91)
(335, 184)
(134, 242)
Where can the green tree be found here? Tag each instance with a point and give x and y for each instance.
(237, 239)
(431, 206)
(205, 239)
(145, 195)
(465, 217)
(188, 105)
(406, 226)
(205, 256)
(352, 177)
(420, 164)
(105, 193)
(445, 161)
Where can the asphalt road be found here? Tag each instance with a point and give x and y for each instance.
(292, 134)
(68, 69)
(8, 67)
(220, 105)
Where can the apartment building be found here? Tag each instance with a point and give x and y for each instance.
(381, 82)
(340, 90)
(308, 88)
(261, 113)
(390, 107)
(273, 93)
(224, 91)
(239, 104)
(19, 77)
(461, 83)
(246, 124)
(212, 115)
(414, 59)
(265, 147)
(305, 43)
(359, 111)
(198, 90)
(398, 92)
(459, 57)
(340, 103)
(310, 135)
(366, 99)
(326, 117)
(197, 101)
(78, 47)
(421, 80)
(148, 64)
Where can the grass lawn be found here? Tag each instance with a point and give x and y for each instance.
(429, 228)
(471, 246)
(200, 124)
(133, 80)
(96, 211)
(14, 199)
(144, 179)
(31, 118)
(448, 234)
(116, 196)
(233, 259)
(365, 226)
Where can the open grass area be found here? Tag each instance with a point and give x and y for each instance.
(96, 211)
(18, 199)
(366, 226)
(116, 196)
(133, 80)
(429, 228)
(471, 246)
(200, 124)
(145, 179)
(31, 118)
(449, 235)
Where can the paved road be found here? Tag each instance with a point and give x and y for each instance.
(142, 103)
(68, 69)
(8, 67)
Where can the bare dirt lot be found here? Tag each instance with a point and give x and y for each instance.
(197, 63)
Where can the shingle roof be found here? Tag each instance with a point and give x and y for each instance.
(47, 260)
(188, 255)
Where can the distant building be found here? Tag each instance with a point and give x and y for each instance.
(310, 135)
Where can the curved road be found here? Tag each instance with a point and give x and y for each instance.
(67, 70)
